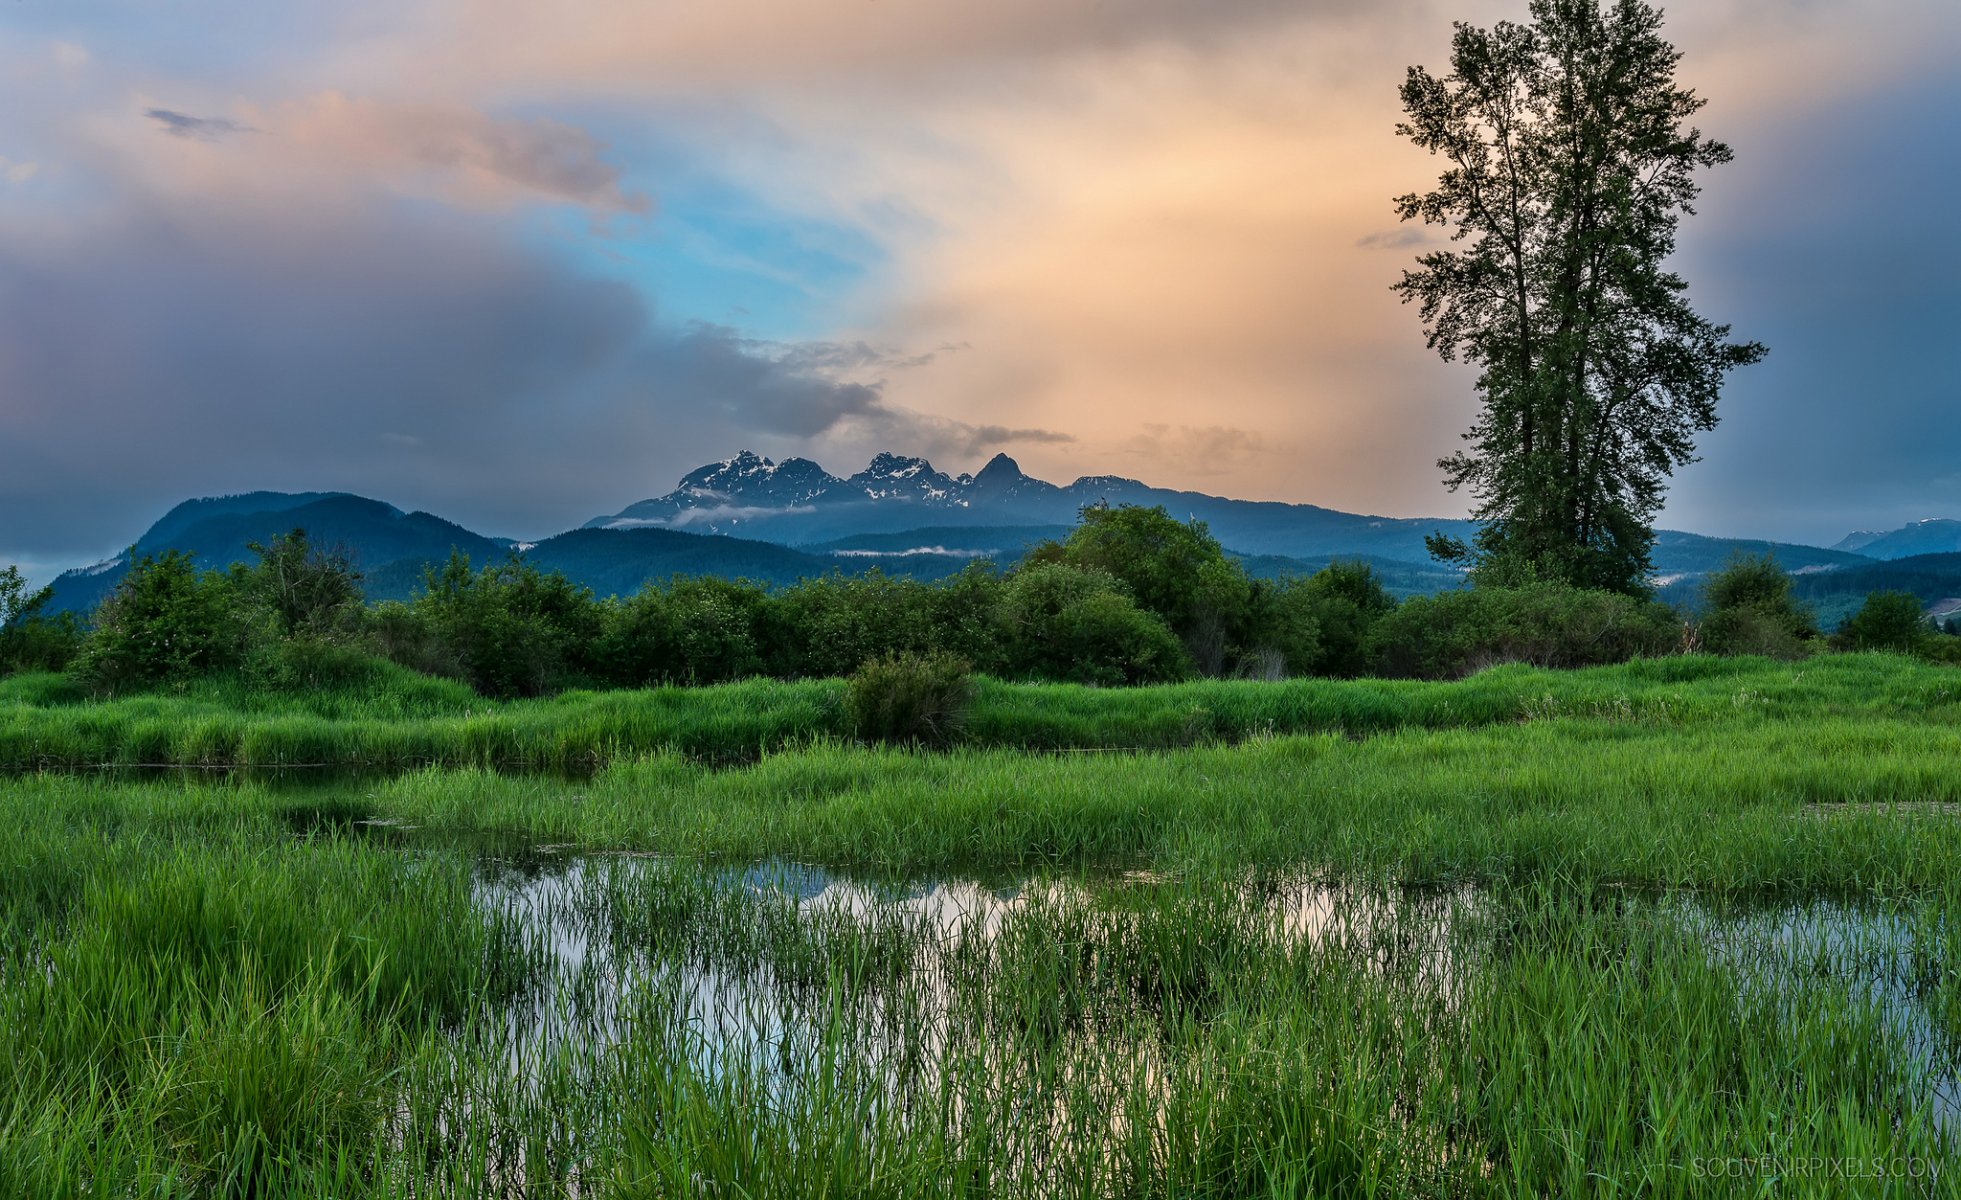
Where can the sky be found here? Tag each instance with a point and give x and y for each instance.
(521, 264)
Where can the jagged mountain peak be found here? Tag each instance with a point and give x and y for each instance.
(1000, 469)
(749, 474)
(746, 465)
(905, 477)
(886, 465)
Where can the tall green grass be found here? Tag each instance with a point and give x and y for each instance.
(210, 1006)
(1526, 976)
(46, 723)
(1838, 807)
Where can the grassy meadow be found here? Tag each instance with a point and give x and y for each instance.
(1682, 927)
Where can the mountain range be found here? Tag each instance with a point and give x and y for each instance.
(1933, 536)
(776, 522)
(797, 502)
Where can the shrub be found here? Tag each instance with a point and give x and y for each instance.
(1061, 622)
(827, 627)
(1546, 625)
(407, 636)
(1173, 569)
(310, 664)
(964, 613)
(166, 622)
(302, 590)
(1283, 631)
(29, 639)
(511, 629)
(1887, 621)
(714, 629)
(1345, 600)
(909, 697)
(1748, 609)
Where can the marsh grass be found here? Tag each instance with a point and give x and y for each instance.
(1532, 935)
(412, 721)
(1182, 1037)
(255, 1011)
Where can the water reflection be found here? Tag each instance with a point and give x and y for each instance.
(753, 970)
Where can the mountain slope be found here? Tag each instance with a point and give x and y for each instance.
(1933, 536)
(218, 534)
(899, 515)
(1836, 595)
(796, 502)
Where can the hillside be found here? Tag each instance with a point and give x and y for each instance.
(1933, 536)
(798, 502)
(1835, 595)
(774, 523)
(218, 533)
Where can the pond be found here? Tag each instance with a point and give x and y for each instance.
(1066, 1030)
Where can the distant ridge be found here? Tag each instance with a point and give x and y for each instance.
(776, 522)
(218, 532)
(1936, 535)
(798, 502)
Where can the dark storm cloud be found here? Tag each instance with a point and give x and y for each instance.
(393, 352)
(1834, 248)
(203, 129)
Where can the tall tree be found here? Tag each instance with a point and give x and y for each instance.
(1571, 164)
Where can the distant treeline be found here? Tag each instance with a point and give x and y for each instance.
(1130, 596)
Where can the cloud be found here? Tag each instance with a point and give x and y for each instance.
(333, 144)
(1394, 239)
(708, 516)
(930, 436)
(797, 45)
(805, 391)
(859, 356)
(484, 158)
(203, 129)
(1205, 450)
(1151, 228)
(161, 351)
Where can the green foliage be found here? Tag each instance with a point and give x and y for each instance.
(220, 990)
(511, 629)
(166, 623)
(1282, 630)
(218, 1008)
(1454, 634)
(304, 590)
(827, 627)
(714, 629)
(407, 635)
(965, 612)
(1062, 622)
(1345, 600)
(305, 664)
(1173, 569)
(1887, 621)
(909, 698)
(1569, 163)
(30, 640)
(1748, 608)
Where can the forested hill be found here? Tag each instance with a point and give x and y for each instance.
(218, 532)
